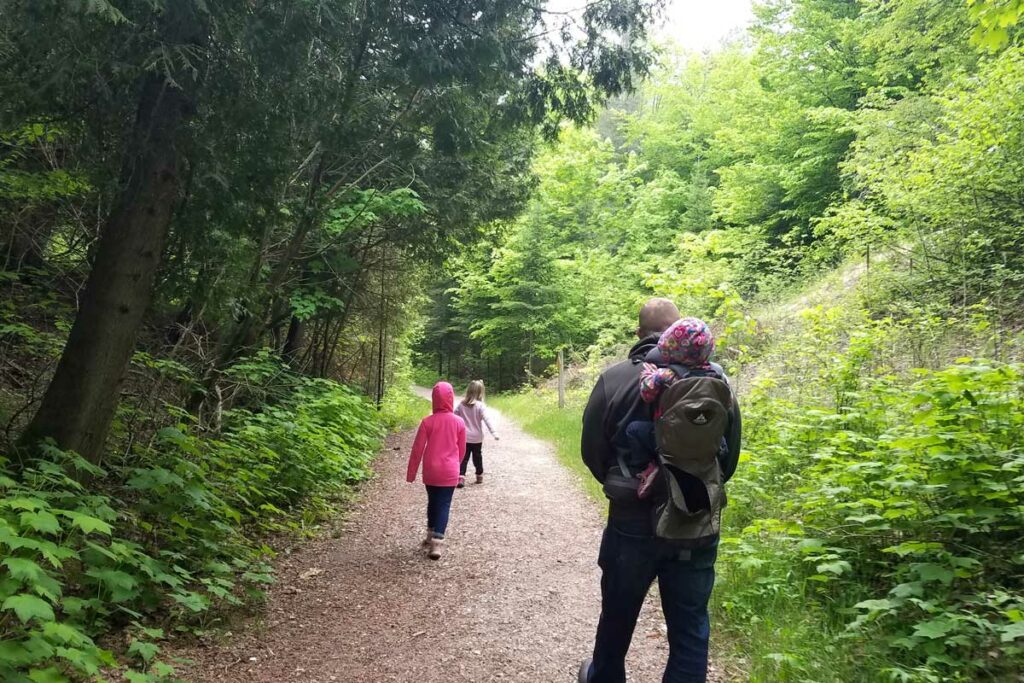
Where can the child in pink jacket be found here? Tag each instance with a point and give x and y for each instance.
(440, 443)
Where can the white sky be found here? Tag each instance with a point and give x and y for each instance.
(702, 24)
(696, 25)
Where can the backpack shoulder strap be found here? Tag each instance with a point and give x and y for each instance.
(682, 372)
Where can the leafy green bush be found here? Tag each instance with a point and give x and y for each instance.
(890, 505)
(169, 534)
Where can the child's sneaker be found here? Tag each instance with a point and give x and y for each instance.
(647, 478)
(462, 483)
(436, 546)
(479, 478)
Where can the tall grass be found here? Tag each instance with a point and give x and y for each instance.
(402, 409)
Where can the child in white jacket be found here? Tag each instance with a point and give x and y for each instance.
(472, 411)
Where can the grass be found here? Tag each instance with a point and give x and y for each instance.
(402, 409)
(769, 630)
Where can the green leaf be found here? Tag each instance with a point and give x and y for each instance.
(877, 605)
(810, 545)
(1011, 632)
(143, 650)
(48, 675)
(14, 653)
(65, 634)
(929, 571)
(23, 503)
(912, 548)
(912, 589)
(163, 669)
(193, 601)
(56, 554)
(121, 585)
(29, 607)
(24, 570)
(935, 628)
(87, 523)
(41, 521)
(839, 567)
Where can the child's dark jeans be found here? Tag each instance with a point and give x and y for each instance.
(476, 450)
(640, 435)
(439, 504)
(643, 443)
(644, 448)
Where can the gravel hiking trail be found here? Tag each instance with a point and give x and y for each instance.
(515, 598)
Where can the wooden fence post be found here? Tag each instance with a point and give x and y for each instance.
(561, 379)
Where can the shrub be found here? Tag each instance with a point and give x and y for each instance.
(888, 502)
(169, 534)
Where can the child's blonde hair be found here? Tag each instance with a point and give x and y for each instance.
(474, 392)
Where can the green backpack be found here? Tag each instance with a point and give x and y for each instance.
(694, 417)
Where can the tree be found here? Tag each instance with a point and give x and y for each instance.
(264, 120)
(80, 401)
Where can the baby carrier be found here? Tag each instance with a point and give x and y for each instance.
(694, 416)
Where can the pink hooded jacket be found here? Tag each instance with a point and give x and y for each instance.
(440, 441)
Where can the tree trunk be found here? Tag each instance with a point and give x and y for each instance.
(561, 379)
(82, 396)
(293, 341)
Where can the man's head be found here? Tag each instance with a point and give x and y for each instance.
(656, 316)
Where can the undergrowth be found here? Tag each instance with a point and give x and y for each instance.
(874, 523)
(161, 539)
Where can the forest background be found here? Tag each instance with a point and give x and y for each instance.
(214, 221)
(231, 230)
(839, 193)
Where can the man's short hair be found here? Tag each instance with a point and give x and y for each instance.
(656, 316)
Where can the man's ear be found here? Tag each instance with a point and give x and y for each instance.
(640, 333)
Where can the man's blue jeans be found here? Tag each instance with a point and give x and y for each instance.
(630, 559)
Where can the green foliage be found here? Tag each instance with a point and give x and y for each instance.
(173, 533)
(995, 21)
(872, 129)
(884, 502)
(401, 408)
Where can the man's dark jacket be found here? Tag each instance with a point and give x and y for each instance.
(614, 403)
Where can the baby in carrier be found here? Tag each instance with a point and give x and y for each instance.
(684, 350)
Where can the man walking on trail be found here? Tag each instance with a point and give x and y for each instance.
(631, 555)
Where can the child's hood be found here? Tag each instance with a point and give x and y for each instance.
(442, 397)
(688, 342)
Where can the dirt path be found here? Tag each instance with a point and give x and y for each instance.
(515, 598)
